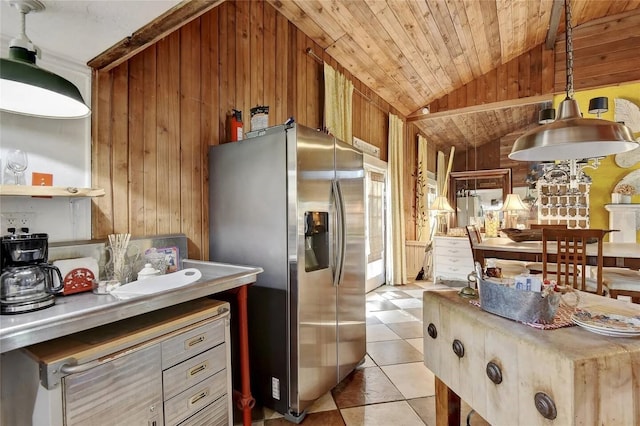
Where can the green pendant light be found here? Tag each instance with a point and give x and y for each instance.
(28, 89)
(570, 136)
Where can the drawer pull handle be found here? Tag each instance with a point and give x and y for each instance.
(494, 373)
(200, 395)
(545, 405)
(198, 369)
(432, 330)
(195, 341)
(458, 348)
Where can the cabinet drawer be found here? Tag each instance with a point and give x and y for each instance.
(214, 414)
(186, 374)
(456, 262)
(454, 271)
(460, 243)
(193, 342)
(187, 403)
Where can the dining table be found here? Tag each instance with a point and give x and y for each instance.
(622, 255)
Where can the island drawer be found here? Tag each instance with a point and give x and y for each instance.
(185, 345)
(214, 414)
(186, 374)
(197, 397)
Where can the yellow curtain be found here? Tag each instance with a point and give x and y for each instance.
(422, 213)
(396, 177)
(338, 104)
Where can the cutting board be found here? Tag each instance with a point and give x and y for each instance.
(157, 284)
(77, 274)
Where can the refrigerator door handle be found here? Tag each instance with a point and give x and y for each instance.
(341, 228)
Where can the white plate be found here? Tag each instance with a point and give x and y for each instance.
(604, 332)
(608, 323)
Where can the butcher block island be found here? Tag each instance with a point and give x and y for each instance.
(512, 373)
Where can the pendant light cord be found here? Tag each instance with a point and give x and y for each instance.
(569, 48)
(23, 24)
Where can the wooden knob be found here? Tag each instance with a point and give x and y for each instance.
(458, 348)
(494, 373)
(545, 405)
(432, 330)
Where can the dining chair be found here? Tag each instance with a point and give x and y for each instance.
(536, 267)
(622, 282)
(572, 267)
(509, 268)
(570, 256)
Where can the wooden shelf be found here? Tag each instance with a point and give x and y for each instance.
(50, 191)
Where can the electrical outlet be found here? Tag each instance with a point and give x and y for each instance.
(17, 220)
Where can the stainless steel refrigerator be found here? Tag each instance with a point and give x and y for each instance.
(291, 200)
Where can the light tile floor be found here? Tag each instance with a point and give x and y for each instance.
(392, 386)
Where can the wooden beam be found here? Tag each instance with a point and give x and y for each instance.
(174, 18)
(554, 21)
(484, 107)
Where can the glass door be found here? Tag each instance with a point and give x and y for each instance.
(375, 211)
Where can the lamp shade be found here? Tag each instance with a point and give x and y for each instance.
(441, 204)
(571, 137)
(598, 105)
(546, 116)
(30, 90)
(513, 202)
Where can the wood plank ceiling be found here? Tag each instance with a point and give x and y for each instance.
(412, 52)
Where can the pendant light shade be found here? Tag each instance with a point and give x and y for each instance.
(570, 136)
(28, 89)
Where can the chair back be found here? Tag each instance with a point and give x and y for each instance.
(570, 256)
(474, 235)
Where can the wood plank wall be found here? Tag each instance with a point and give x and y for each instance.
(155, 115)
(530, 74)
(605, 54)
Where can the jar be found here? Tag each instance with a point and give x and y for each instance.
(147, 272)
(491, 225)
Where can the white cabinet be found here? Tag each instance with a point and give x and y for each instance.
(167, 367)
(452, 258)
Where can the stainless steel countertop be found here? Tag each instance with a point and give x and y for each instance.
(83, 311)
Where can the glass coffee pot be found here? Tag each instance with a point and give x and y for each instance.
(27, 280)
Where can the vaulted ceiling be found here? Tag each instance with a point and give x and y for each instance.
(412, 52)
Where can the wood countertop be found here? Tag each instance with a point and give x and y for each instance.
(588, 378)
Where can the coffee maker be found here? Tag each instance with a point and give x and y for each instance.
(27, 280)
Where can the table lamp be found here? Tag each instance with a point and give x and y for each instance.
(443, 208)
(512, 205)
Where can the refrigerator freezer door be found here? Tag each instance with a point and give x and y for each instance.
(351, 289)
(312, 297)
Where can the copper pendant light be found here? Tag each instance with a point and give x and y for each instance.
(570, 136)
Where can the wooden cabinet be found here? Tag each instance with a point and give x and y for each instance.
(561, 204)
(195, 373)
(514, 374)
(452, 258)
(166, 367)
